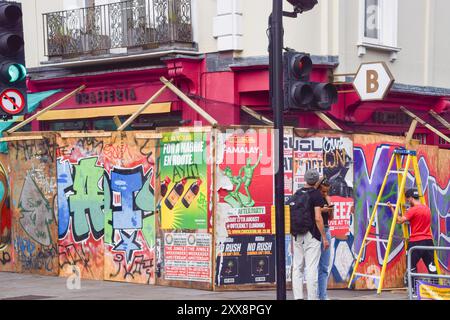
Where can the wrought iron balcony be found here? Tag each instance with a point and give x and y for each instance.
(103, 29)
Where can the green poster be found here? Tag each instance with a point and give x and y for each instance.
(183, 177)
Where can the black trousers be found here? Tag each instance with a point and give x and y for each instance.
(426, 255)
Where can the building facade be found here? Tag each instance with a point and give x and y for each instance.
(216, 52)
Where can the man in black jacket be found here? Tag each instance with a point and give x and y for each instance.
(307, 246)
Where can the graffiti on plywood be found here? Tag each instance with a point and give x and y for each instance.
(130, 209)
(33, 197)
(6, 248)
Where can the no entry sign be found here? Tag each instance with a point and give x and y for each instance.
(12, 101)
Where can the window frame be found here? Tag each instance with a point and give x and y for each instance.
(387, 28)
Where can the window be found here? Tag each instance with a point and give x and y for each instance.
(372, 19)
(378, 26)
(422, 137)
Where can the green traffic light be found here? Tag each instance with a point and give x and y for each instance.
(16, 72)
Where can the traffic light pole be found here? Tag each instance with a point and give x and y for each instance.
(276, 89)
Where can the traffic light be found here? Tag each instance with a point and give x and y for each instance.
(299, 92)
(303, 5)
(13, 90)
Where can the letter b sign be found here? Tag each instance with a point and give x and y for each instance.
(373, 81)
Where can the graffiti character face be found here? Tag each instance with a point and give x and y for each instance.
(227, 171)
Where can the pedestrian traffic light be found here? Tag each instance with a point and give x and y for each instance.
(13, 88)
(299, 92)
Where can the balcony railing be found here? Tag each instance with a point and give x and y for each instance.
(103, 29)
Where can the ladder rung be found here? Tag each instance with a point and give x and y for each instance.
(376, 239)
(379, 235)
(406, 152)
(367, 275)
(397, 171)
(385, 204)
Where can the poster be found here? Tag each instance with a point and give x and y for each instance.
(184, 180)
(187, 256)
(308, 154)
(246, 260)
(428, 291)
(245, 182)
(332, 157)
(288, 146)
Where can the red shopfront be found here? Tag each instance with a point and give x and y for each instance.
(114, 96)
(221, 93)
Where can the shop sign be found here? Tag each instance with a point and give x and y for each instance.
(106, 96)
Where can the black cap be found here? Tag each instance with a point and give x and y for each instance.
(412, 193)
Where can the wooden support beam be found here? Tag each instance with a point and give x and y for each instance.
(117, 121)
(411, 130)
(85, 134)
(18, 138)
(343, 74)
(440, 119)
(148, 135)
(327, 120)
(189, 102)
(141, 109)
(54, 104)
(256, 115)
(194, 129)
(425, 124)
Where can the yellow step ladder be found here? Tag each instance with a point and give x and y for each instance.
(400, 156)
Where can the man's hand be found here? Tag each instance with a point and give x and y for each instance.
(390, 206)
(325, 243)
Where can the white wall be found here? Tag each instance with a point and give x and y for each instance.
(331, 28)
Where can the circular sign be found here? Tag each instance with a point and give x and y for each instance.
(12, 101)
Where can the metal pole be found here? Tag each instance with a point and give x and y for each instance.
(276, 66)
(408, 256)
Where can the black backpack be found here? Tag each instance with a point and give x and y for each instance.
(301, 215)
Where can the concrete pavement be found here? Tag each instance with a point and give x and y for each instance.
(14, 286)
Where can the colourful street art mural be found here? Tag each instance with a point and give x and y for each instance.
(106, 207)
(434, 167)
(33, 197)
(80, 207)
(371, 157)
(129, 163)
(143, 207)
(6, 248)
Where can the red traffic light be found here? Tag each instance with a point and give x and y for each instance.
(301, 65)
(10, 14)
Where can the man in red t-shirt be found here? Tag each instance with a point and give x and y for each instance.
(419, 217)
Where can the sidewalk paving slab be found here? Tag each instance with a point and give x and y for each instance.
(21, 286)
